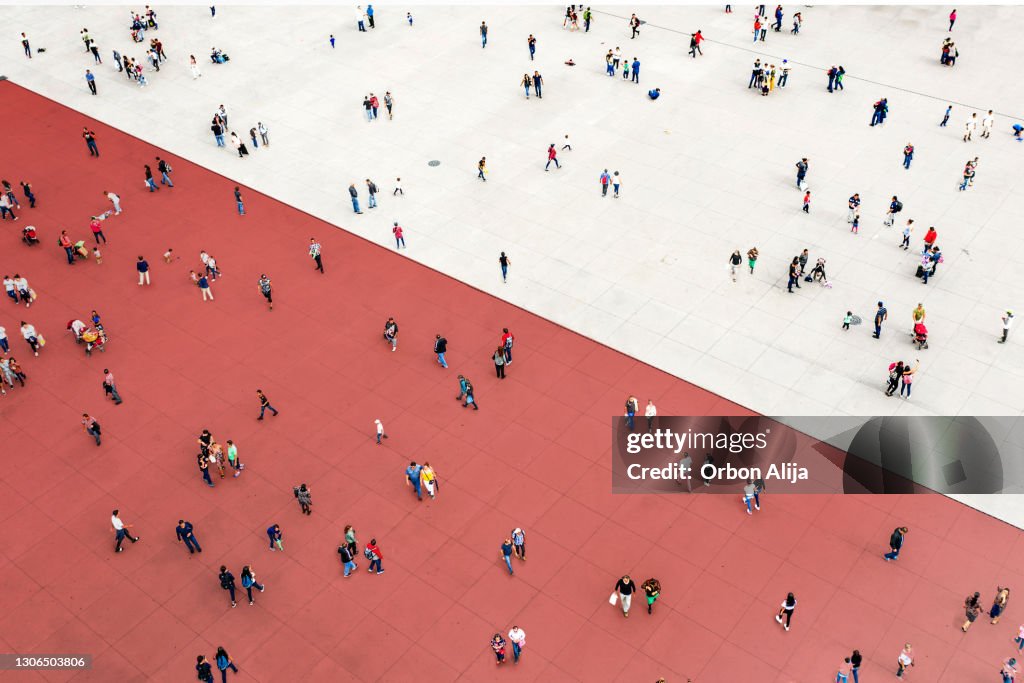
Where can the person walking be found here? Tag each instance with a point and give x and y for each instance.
(238, 201)
(266, 289)
(204, 286)
(855, 662)
(952, 19)
(90, 141)
(165, 172)
(518, 537)
(440, 348)
(531, 45)
(203, 460)
(353, 193)
(25, 46)
(380, 431)
(787, 608)
(233, 460)
(896, 543)
(986, 124)
(110, 388)
(504, 262)
(227, 582)
(734, 262)
(538, 82)
(90, 80)
(605, 181)
(880, 317)
(908, 155)
(481, 169)
(972, 608)
(391, 333)
(373, 553)
(224, 662)
(121, 531)
(652, 589)
(506, 342)
(186, 534)
(91, 427)
(347, 560)
(650, 413)
(470, 396)
(305, 498)
(616, 184)
(970, 126)
(314, 253)
(751, 494)
(249, 582)
(276, 538)
(807, 202)
(264, 404)
(506, 555)
(999, 603)
(428, 480)
(1009, 670)
(204, 671)
(695, 40)
(498, 646)
(483, 34)
(624, 589)
(412, 478)
(517, 636)
(552, 156)
(905, 659)
(150, 183)
(632, 405)
(399, 234)
(1007, 324)
(34, 340)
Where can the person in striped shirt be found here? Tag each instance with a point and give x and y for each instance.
(314, 253)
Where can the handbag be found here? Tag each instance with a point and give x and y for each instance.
(613, 599)
(42, 342)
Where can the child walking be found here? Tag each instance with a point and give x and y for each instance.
(846, 320)
(807, 202)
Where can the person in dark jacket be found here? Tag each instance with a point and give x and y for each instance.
(441, 348)
(896, 543)
(186, 535)
(204, 670)
(227, 582)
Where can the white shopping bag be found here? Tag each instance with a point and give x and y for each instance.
(613, 599)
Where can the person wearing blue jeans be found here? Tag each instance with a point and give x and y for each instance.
(149, 180)
(346, 560)
(483, 34)
(636, 70)
(531, 42)
(238, 201)
(224, 663)
(908, 155)
(631, 405)
(375, 556)
(506, 554)
(412, 475)
(264, 404)
(896, 543)
(165, 170)
(354, 194)
(441, 348)
(187, 536)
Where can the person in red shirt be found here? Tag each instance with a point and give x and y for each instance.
(757, 28)
(929, 238)
(552, 154)
(374, 554)
(399, 239)
(65, 243)
(506, 343)
(97, 230)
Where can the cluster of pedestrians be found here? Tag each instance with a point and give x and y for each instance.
(257, 134)
(213, 454)
(765, 77)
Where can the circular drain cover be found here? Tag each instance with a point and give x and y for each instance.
(855, 320)
(433, 162)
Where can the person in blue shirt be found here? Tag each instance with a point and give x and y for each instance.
(506, 554)
(412, 476)
(274, 534)
(654, 94)
(369, 15)
(1018, 131)
(636, 70)
(186, 535)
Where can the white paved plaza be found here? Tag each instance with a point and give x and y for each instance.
(707, 168)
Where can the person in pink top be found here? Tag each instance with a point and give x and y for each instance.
(97, 230)
(952, 19)
(399, 239)
(906, 659)
(843, 675)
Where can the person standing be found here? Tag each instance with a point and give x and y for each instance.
(483, 34)
(203, 460)
(843, 674)
(652, 589)
(371, 187)
(369, 16)
(90, 426)
(186, 534)
(986, 124)
(518, 638)
(498, 646)
(999, 603)
(855, 661)
(374, 555)
(588, 16)
(538, 82)
(266, 289)
(314, 253)
(794, 275)
(264, 404)
(880, 316)
(499, 362)
(636, 70)
(399, 234)
(751, 494)
(531, 44)
(952, 19)
(506, 342)
(518, 537)
(605, 181)
(354, 195)
(506, 554)
(650, 412)
(504, 261)
(110, 388)
(233, 459)
(203, 669)
(238, 201)
(1007, 324)
(204, 287)
(90, 80)
(481, 169)
(734, 262)
(624, 589)
(972, 608)
(391, 333)
(32, 337)
(801, 172)
(440, 348)
(1009, 670)
(249, 582)
(787, 608)
(905, 659)
(276, 538)
(908, 377)
(896, 543)
(121, 531)
(908, 155)
(90, 140)
(970, 126)
(224, 662)
(25, 46)
(380, 431)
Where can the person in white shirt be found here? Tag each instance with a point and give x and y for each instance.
(970, 126)
(264, 133)
(121, 531)
(380, 431)
(616, 183)
(1007, 324)
(9, 288)
(4, 344)
(31, 336)
(686, 470)
(986, 124)
(21, 285)
(115, 200)
(517, 637)
(650, 412)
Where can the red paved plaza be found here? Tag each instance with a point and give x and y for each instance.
(537, 455)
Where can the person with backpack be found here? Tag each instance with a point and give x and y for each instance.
(227, 582)
(249, 582)
(224, 663)
(895, 206)
(470, 396)
(305, 498)
(373, 553)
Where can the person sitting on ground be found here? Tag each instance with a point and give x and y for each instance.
(569, 62)
(654, 94)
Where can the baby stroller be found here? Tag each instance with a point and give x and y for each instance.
(921, 336)
(80, 250)
(218, 57)
(28, 235)
(95, 339)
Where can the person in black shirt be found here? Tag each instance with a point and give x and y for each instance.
(187, 536)
(441, 348)
(227, 582)
(165, 172)
(204, 441)
(734, 261)
(504, 262)
(264, 404)
(204, 670)
(794, 274)
(855, 660)
(896, 542)
(625, 589)
(391, 333)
